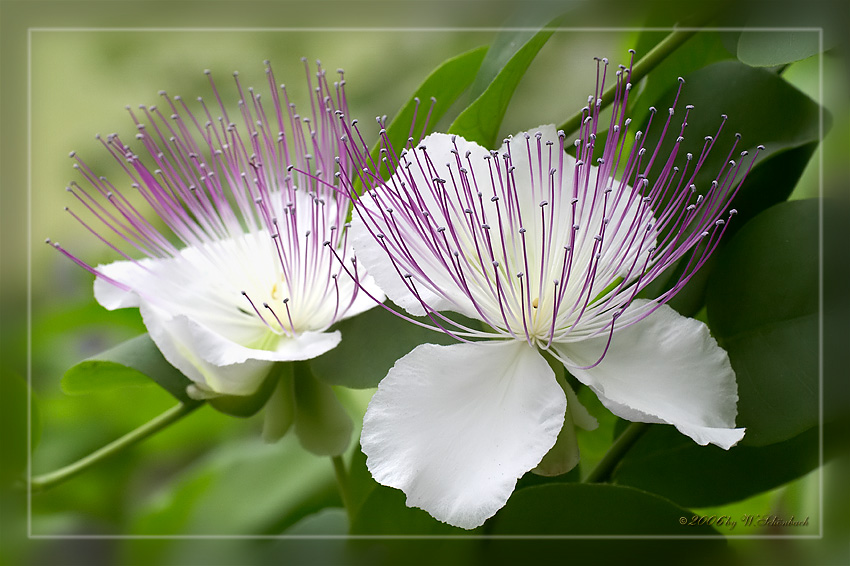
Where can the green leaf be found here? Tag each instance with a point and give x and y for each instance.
(445, 84)
(133, 362)
(321, 423)
(360, 481)
(666, 462)
(371, 343)
(759, 48)
(581, 511)
(760, 105)
(701, 50)
(525, 22)
(591, 509)
(328, 521)
(246, 487)
(763, 309)
(13, 420)
(248, 405)
(280, 408)
(384, 512)
(784, 120)
(770, 182)
(480, 121)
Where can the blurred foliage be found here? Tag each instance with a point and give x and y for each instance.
(771, 331)
(211, 474)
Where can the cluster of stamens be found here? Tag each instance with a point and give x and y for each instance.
(533, 244)
(230, 194)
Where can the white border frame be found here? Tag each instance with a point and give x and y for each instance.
(30, 535)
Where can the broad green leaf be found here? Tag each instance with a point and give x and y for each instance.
(445, 84)
(760, 106)
(526, 20)
(360, 482)
(328, 521)
(246, 487)
(770, 182)
(502, 49)
(384, 512)
(248, 405)
(763, 309)
(668, 463)
(480, 121)
(701, 50)
(321, 423)
(586, 510)
(371, 343)
(760, 48)
(308, 542)
(591, 509)
(134, 362)
(783, 119)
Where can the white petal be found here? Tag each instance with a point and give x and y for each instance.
(363, 301)
(112, 297)
(578, 412)
(219, 364)
(454, 427)
(435, 284)
(666, 368)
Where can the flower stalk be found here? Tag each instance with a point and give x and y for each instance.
(342, 483)
(51, 479)
(621, 446)
(640, 69)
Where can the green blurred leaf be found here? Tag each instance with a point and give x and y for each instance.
(360, 482)
(480, 121)
(770, 182)
(133, 362)
(246, 487)
(584, 511)
(784, 120)
(321, 423)
(384, 512)
(248, 405)
(371, 343)
(701, 50)
(760, 105)
(328, 521)
(591, 509)
(666, 462)
(280, 408)
(763, 309)
(13, 420)
(525, 20)
(445, 84)
(759, 48)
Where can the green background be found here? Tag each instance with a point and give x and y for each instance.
(213, 467)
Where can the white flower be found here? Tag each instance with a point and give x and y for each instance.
(549, 253)
(246, 271)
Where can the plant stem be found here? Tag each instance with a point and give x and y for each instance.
(50, 479)
(342, 483)
(648, 62)
(621, 446)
